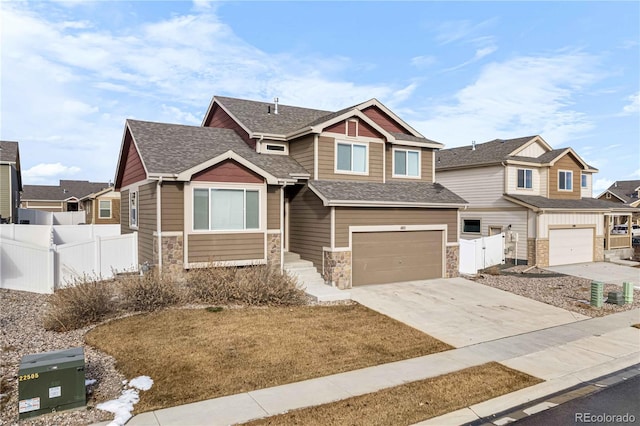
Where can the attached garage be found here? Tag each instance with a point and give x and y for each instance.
(572, 245)
(392, 256)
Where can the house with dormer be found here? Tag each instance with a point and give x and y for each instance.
(540, 197)
(353, 191)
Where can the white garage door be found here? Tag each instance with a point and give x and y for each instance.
(568, 246)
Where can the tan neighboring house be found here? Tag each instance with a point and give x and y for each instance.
(102, 207)
(352, 191)
(539, 196)
(625, 192)
(10, 181)
(64, 197)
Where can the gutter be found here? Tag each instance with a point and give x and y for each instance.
(159, 220)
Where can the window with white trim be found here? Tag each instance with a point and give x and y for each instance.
(105, 209)
(406, 163)
(471, 226)
(525, 178)
(217, 209)
(583, 180)
(565, 180)
(133, 209)
(351, 157)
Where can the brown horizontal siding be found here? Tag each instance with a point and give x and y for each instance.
(383, 120)
(309, 225)
(228, 171)
(326, 158)
(124, 213)
(219, 118)
(426, 161)
(146, 221)
(133, 168)
(273, 207)
(115, 212)
(301, 150)
(375, 216)
(172, 208)
(45, 206)
(363, 129)
(225, 247)
(5, 191)
(567, 162)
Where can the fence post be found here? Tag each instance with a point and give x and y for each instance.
(52, 272)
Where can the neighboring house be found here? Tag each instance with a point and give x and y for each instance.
(10, 181)
(102, 207)
(352, 191)
(539, 196)
(624, 192)
(64, 197)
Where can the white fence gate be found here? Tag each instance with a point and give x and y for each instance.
(39, 217)
(42, 258)
(481, 253)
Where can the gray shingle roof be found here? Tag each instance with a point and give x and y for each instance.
(254, 115)
(66, 189)
(625, 190)
(491, 152)
(550, 203)
(8, 151)
(174, 148)
(390, 192)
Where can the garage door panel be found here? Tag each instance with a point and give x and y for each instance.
(383, 257)
(573, 245)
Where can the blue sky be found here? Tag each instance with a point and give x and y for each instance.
(73, 71)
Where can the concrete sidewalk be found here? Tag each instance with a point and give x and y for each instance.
(606, 272)
(564, 355)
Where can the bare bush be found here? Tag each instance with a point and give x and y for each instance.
(84, 301)
(148, 292)
(251, 286)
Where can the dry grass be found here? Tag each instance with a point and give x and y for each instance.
(196, 354)
(413, 402)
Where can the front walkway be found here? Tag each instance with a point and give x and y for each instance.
(606, 272)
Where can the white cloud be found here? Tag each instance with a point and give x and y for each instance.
(601, 185)
(518, 97)
(423, 61)
(635, 174)
(453, 31)
(49, 173)
(634, 106)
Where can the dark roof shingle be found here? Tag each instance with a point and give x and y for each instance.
(389, 192)
(491, 152)
(175, 148)
(625, 190)
(8, 151)
(551, 203)
(66, 189)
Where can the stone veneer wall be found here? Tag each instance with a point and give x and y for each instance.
(598, 255)
(172, 253)
(542, 252)
(337, 268)
(531, 251)
(453, 262)
(274, 252)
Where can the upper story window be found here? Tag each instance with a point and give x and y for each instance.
(104, 209)
(583, 181)
(133, 209)
(406, 163)
(471, 226)
(216, 209)
(565, 180)
(351, 158)
(525, 178)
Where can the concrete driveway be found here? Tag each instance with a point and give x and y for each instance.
(461, 312)
(606, 272)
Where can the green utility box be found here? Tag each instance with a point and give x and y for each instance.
(51, 381)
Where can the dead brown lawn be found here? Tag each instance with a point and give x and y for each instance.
(413, 402)
(194, 354)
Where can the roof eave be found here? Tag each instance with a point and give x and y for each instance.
(367, 203)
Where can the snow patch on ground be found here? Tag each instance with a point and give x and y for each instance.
(89, 382)
(123, 406)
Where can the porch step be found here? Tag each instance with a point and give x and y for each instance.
(311, 281)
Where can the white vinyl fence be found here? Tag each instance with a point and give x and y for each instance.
(43, 258)
(481, 253)
(39, 217)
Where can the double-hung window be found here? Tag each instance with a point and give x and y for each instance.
(406, 163)
(351, 157)
(105, 209)
(525, 178)
(133, 209)
(565, 180)
(583, 180)
(217, 209)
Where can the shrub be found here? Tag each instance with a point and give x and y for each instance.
(148, 292)
(250, 286)
(84, 301)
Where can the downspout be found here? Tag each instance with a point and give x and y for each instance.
(259, 144)
(159, 221)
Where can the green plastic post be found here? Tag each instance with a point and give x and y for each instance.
(627, 291)
(597, 289)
